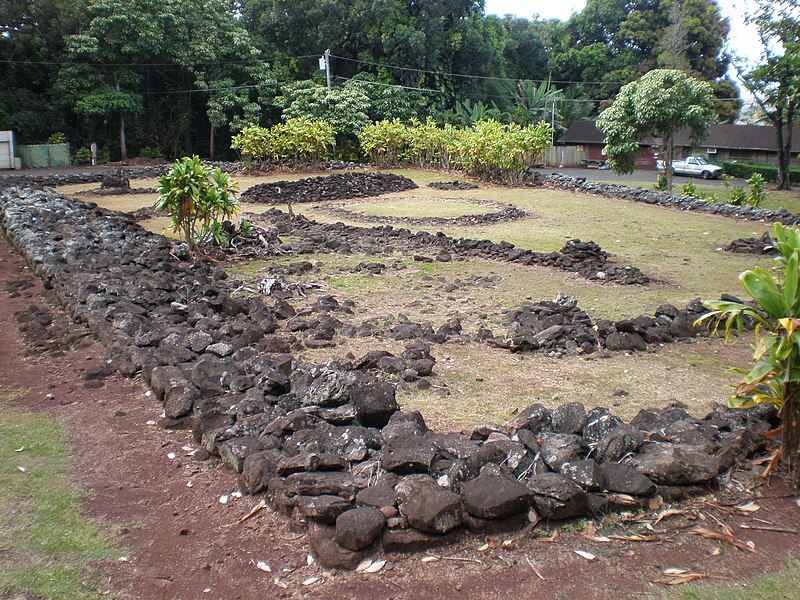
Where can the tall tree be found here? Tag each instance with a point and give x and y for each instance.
(660, 104)
(31, 43)
(616, 41)
(775, 83)
(103, 77)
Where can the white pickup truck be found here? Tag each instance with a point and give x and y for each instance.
(693, 166)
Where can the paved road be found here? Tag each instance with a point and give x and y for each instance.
(646, 176)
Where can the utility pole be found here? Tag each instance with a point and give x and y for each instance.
(328, 67)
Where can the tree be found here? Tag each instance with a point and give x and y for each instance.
(619, 40)
(774, 377)
(775, 83)
(222, 58)
(344, 107)
(101, 79)
(659, 104)
(197, 200)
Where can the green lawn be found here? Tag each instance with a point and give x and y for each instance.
(47, 546)
(783, 585)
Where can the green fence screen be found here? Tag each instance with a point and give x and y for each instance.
(42, 156)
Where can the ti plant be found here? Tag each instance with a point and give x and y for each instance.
(774, 377)
(197, 199)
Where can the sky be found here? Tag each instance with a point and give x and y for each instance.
(742, 39)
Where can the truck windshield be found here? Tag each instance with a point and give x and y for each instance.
(701, 161)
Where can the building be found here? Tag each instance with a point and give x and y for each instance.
(7, 150)
(751, 143)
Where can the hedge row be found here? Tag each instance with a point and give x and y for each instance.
(744, 170)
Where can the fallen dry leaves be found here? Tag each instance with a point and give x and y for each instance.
(726, 535)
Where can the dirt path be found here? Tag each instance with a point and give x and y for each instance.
(181, 542)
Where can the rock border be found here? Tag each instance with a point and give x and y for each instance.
(503, 212)
(328, 444)
(669, 199)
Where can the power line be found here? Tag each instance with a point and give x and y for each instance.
(143, 64)
(464, 75)
(513, 96)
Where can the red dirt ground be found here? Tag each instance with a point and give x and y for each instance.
(182, 543)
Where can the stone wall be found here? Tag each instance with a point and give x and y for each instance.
(328, 444)
(649, 196)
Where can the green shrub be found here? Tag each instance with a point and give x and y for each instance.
(774, 377)
(197, 200)
(297, 139)
(756, 195)
(57, 138)
(150, 152)
(104, 156)
(738, 195)
(82, 156)
(252, 142)
(690, 189)
(744, 170)
(661, 184)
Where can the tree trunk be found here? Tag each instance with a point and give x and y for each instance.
(211, 144)
(123, 142)
(790, 417)
(669, 151)
(785, 151)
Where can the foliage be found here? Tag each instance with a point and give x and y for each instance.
(253, 142)
(744, 170)
(774, 377)
(755, 195)
(82, 156)
(197, 200)
(659, 104)
(57, 138)
(345, 108)
(775, 83)
(385, 142)
(738, 196)
(689, 189)
(296, 139)
(150, 152)
(661, 184)
(488, 149)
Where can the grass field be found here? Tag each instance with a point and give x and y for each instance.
(48, 547)
(678, 249)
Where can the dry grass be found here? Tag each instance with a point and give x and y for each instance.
(475, 383)
(416, 206)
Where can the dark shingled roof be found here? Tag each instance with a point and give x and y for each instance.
(733, 137)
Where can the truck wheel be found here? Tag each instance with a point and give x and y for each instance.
(706, 175)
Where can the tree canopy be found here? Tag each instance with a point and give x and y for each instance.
(660, 104)
(183, 76)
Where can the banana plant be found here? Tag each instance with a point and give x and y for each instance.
(774, 377)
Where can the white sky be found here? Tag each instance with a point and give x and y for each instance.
(742, 39)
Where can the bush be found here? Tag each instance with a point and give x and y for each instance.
(774, 377)
(82, 156)
(488, 149)
(57, 138)
(738, 195)
(104, 156)
(744, 170)
(756, 195)
(298, 139)
(385, 142)
(150, 152)
(661, 184)
(690, 189)
(197, 200)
